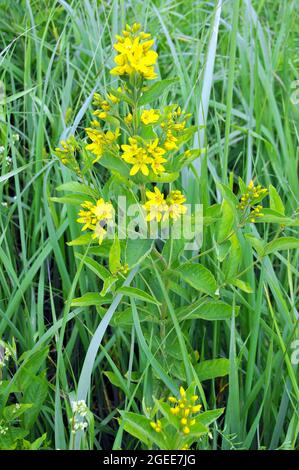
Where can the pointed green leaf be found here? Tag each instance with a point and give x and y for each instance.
(199, 277)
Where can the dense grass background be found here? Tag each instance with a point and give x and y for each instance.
(236, 62)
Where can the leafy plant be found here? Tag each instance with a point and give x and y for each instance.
(140, 148)
(17, 418)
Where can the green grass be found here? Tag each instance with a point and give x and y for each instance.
(236, 62)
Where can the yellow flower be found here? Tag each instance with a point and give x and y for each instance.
(100, 114)
(155, 206)
(156, 426)
(172, 399)
(128, 119)
(179, 126)
(124, 268)
(184, 408)
(155, 198)
(249, 200)
(136, 156)
(98, 233)
(156, 153)
(185, 447)
(100, 140)
(134, 54)
(86, 216)
(196, 408)
(95, 217)
(154, 150)
(172, 207)
(149, 116)
(67, 153)
(103, 105)
(170, 142)
(175, 202)
(103, 210)
(114, 99)
(141, 157)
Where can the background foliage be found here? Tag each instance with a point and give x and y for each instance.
(54, 55)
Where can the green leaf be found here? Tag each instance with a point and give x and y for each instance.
(165, 177)
(90, 299)
(9, 99)
(244, 286)
(108, 283)
(242, 186)
(138, 294)
(208, 417)
(276, 203)
(165, 410)
(212, 310)
(137, 250)
(199, 277)
(228, 194)
(125, 318)
(212, 368)
(82, 240)
(183, 160)
(114, 256)
(94, 266)
(225, 224)
(223, 250)
(274, 217)
(155, 91)
(283, 243)
(232, 262)
(74, 199)
(35, 445)
(139, 427)
(35, 393)
(12, 173)
(113, 163)
(257, 244)
(75, 187)
(115, 380)
(198, 430)
(29, 368)
(172, 250)
(12, 412)
(9, 440)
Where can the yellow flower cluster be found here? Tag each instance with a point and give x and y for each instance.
(150, 116)
(157, 426)
(174, 123)
(142, 156)
(134, 53)
(185, 410)
(250, 198)
(101, 141)
(255, 213)
(103, 106)
(67, 153)
(114, 99)
(95, 217)
(158, 208)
